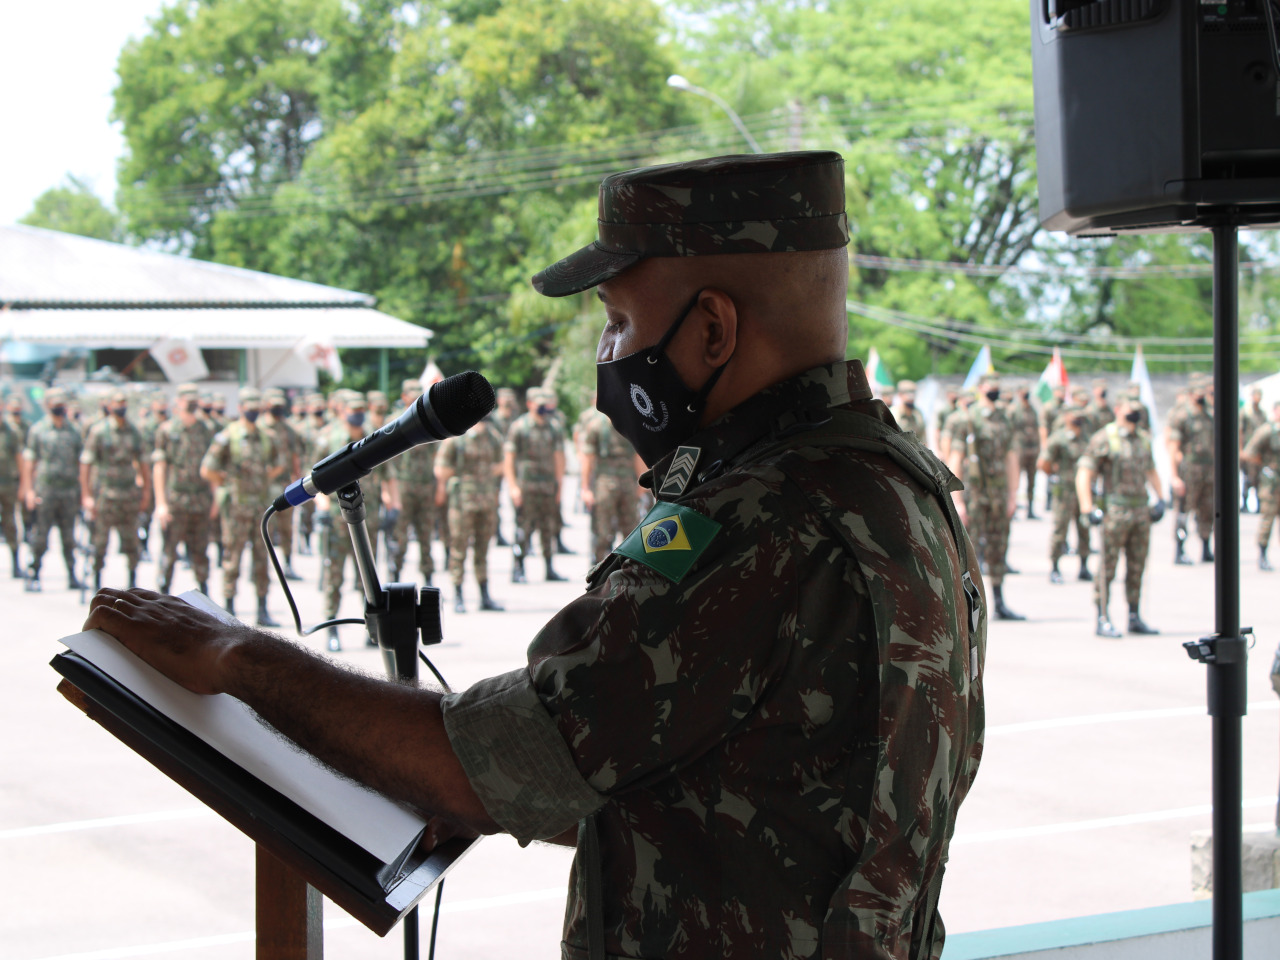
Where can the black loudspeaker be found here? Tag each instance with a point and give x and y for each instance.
(1156, 115)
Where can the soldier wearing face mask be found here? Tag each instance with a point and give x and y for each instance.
(1262, 452)
(1120, 456)
(1026, 431)
(533, 466)
(244, 462)
(275, 420)
(114, 485)
(50, 484)
(184, 501)
(1058, 462)
(905, 411)
(1191, 457)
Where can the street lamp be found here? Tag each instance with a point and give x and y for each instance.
(680, 83)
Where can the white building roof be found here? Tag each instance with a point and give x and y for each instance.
(59, 288)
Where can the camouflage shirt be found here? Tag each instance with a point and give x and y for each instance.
(1063, 452)
(912, 420)
(1192, 430)
(1122, 459)
(1265, 445)
(1026, 428)
(535, 445)
(1251, 418)
(984, 438)
(55, 453)
(472, 458)
(774, 745)
(10, 449)
(244, 456)
(181, 449)
(113, 450)
(615, 457)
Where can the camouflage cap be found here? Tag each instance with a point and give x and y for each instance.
(906, 386)
(378, 399)
(766, 203)
(248, 395)
(55, 395)
(188, 390)
(411, 385)
(274, 397)
(117, 396)
(356, 401)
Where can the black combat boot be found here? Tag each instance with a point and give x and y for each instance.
(487, 602)
(17, 564)
(500, 540)
(203, 587)
(264, 618)
(230, 605)
(1206, 552)
(1263, 563)
(517, 570)
(552, 576)
(1136, 624)
(288, 570)
(395, 574)
(1054, 575)
(459, 605)
(335, 645)
(1179, 553)
(1105, 627)
(1084, 573)
(133, 578)
(560, 547)
(1003, 612)
(33, 579)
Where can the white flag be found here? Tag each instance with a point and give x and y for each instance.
(180, 360)
(321, 354)
(431, 374)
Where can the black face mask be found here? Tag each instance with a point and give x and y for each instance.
(993, 395)
(119, 411)
(356, 419)
(251, 415)
(58, 410)
(648, 403)
(1202, 401)
(192, 406)
(1134, 416)
(279, 412)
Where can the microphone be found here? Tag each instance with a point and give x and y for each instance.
(449, 409)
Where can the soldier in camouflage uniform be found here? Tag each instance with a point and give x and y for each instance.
(984, 457)
(467, 472)
(1262, 452)
(51, 484)
(311, 424)
(1059, 463)
(275, 420)
(157, 416)
(1026, 430)
(534, 468)
(14, 417)
(379, 405)
(245, 464)
(416, 479)
(11, 444)
(1251, 418)
(183, 498)
(1099, 410)
(114, 485)
(1191, 457)
(759, 722)
(610, 468)
(501, 419)
(378, 489)
(1120, 454)
(904, 409)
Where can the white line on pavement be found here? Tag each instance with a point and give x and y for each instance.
(1094, 718)
(1078, 826)
(122, 821)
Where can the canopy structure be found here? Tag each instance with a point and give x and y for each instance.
(59, 289)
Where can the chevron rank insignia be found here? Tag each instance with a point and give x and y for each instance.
(680, 472)
(669, 539)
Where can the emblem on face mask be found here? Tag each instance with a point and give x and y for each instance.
(644, 406)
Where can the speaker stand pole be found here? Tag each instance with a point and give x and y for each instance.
(1225, 653)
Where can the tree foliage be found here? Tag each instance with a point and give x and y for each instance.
(73, 207)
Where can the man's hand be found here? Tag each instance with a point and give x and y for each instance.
(1179, 488)
(163, 516)
(588, 498)
(1012, 505)
(517, 498)
(187, 645)
(89, 507)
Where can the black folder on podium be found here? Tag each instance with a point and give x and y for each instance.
(378, 893)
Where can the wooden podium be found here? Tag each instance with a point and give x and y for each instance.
(298, 858)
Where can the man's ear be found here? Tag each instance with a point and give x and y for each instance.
(718, 326)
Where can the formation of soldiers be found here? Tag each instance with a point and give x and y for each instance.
(202, 479)
(1097, 455)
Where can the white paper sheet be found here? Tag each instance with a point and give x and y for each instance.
(375, 823)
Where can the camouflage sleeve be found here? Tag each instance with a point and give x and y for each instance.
(1258, 442)
(512, 442)
(515, 758)
(1096, 453)
(88, 452)
(160, 453)
(215, 456)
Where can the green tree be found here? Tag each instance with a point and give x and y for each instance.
(74, 208)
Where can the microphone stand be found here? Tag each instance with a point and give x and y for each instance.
(394, 616)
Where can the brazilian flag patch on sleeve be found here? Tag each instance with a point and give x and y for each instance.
(669, 539)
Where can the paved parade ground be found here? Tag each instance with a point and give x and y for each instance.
(1097, 771)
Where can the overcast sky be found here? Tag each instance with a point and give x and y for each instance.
(57, 70)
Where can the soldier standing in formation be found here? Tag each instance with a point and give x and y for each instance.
(51, 485)
(1252, 417)
(416, 478)
(244, 464)
(904, 410)
(157, 415)
(1262, 452)
(114, 485)
(1120, 454)
(1191, 458)
(983, 456)
(184, 501)
(291, 449)
(11, 444)
(502, 418)
(1026, 432)
(468, 470)
(610, 469)
(533, 467)
(311, 424)
(1059, 462)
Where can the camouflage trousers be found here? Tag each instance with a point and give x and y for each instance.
(282, 533)
(541, 513)
(57, 509)
(335, 561)
(615, 514)
(8, 510)
(1027, 463)
(1066, 511)
(240, 529)
(1269, 504)
(1198, 478)
(1125, 530)
(192, 528)
(306, 519)
(119, 513)
(989, 530)
(470, 527)
(417, 511)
